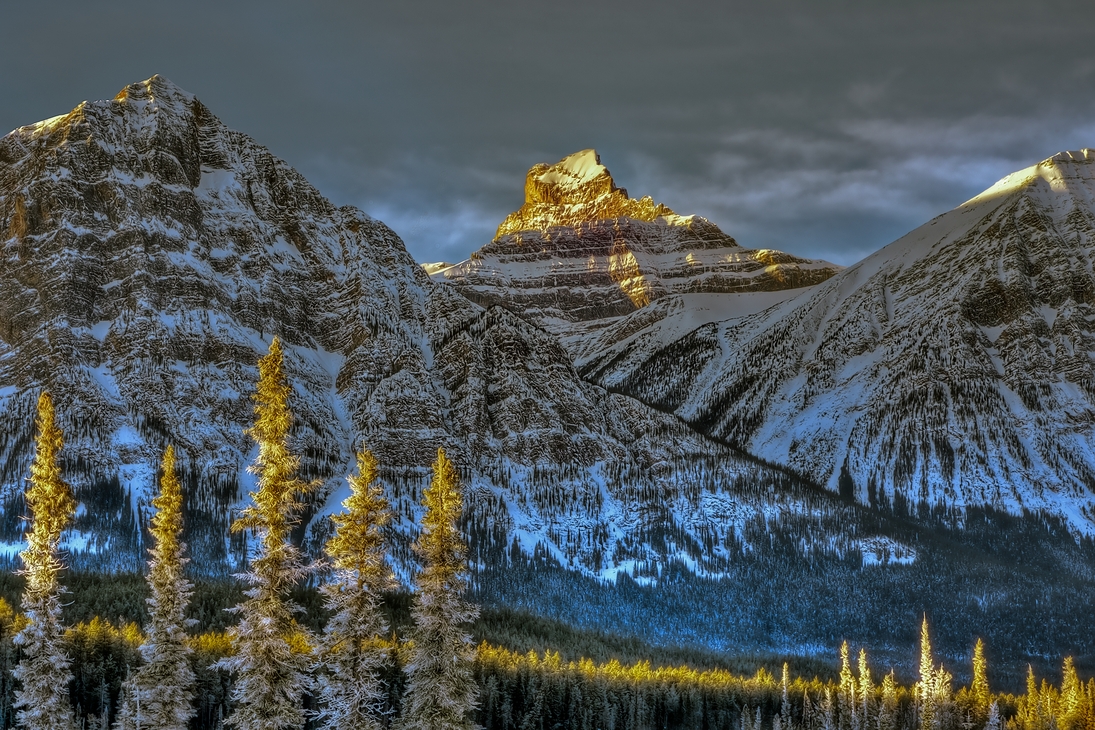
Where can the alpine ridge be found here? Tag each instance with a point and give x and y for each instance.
(580, 253)
(952, 367)
(150, 254)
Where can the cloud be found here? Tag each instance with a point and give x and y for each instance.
(793, 124)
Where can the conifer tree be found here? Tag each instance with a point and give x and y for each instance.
(271, 660)
(925, 694)
(1029, 705)
(994, 721)
(828, 722)
(351, 655)
(161, 692)
(866, 691)
(887, 710)
(1072, 697)
(848, 719)
(979, 686)
(44, 672)
(785, 698)
(441, 691)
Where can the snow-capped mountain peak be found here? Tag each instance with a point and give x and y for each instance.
(953, 366)
(580, 253)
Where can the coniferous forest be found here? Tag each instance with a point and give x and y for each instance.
(338, 645)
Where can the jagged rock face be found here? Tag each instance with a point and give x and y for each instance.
(954, 365)
(150, 254)
(576, 190)
(581, 251)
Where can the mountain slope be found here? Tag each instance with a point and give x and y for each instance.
(148, 256)
(580, 252)
(953, 366)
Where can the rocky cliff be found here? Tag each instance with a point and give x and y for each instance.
(580, 252)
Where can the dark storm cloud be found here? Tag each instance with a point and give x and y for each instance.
(823, 128)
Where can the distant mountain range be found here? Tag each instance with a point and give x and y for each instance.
(580, 252)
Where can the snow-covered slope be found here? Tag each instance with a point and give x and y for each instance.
(149, 254)
(580, 253)
(953, 366)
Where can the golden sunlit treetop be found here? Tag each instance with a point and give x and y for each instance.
(358, 542)
(166, 524)
(49, 498)
(276, 502)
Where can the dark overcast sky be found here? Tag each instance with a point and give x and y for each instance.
(822, 128)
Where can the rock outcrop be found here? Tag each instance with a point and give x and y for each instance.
(580, 252)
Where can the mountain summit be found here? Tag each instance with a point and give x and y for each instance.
(580, 252)
(575, 190)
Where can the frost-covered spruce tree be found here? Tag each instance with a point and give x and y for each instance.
(351, 652)
(441, 691)
(160, 694)
(44, 672)
(270, 659)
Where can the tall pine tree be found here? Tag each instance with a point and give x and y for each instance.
(925, 694)
(848, 717)
(979, 686)
(271, 661)
(441, 691)
(351, 653)
(45, 669)
(865, 698)
(161, 692)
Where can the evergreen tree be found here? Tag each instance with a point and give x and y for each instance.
(828, 722)
(351, 654)
(866, 691)
(979, 686)
(42, 702)
(785, 698)
(887, 709)
(441, 691)
(925, 689)
(1072, 697)
(271, 658)
(994, 721)
(848, 718)
(161, 693)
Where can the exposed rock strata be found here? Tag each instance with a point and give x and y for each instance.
(581, 251)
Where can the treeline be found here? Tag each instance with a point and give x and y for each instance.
(543, 690)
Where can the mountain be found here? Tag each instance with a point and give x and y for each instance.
(580, 253)
(954, 366)
(150, 254)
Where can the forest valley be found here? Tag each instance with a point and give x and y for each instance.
(359, 654)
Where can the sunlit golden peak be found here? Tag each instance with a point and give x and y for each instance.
(577, 189)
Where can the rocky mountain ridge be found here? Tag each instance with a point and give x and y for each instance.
(580, 252)
(954, 366)
(149, 255)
